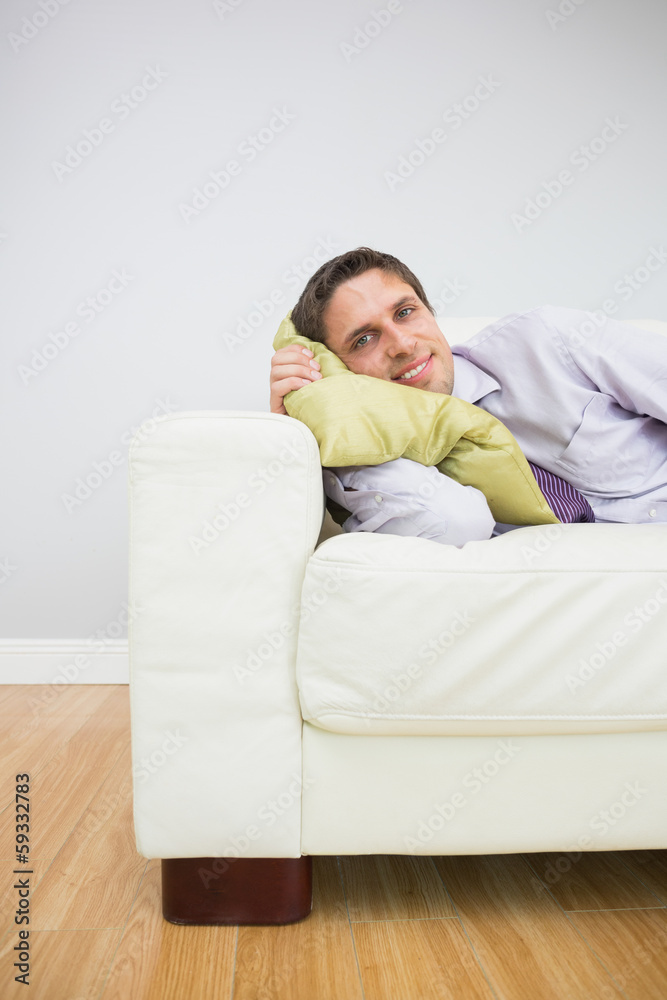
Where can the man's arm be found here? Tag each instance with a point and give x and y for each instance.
(624, 361)
(403, 497)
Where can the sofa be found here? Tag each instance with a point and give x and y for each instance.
(297, 690)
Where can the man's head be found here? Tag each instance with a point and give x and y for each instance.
(371, 310)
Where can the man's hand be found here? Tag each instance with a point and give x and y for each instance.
(291, 368)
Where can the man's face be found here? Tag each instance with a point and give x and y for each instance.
(378, 326)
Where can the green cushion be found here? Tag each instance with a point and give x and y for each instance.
(362, 420)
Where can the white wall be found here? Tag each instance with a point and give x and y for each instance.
(221, 72)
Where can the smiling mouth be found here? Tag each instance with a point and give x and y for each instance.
(414, 373)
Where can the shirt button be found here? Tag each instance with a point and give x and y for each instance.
(652, 512)
(379, 498)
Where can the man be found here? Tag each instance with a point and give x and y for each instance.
(586, 400)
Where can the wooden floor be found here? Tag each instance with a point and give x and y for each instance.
(513, 927)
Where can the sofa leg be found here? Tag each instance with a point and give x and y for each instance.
(236, 890)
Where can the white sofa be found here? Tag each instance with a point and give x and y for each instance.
(298, 691)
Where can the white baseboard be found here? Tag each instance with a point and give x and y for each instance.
(64, 661)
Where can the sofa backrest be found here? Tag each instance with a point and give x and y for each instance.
(459, 329)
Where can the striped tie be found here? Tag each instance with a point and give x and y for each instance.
(567, 503)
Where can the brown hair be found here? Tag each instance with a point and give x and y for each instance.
(307, 313)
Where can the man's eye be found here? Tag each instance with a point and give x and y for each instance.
(358, 343)
(406, 309)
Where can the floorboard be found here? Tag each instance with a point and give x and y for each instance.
(496, 927)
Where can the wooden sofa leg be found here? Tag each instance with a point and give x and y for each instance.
(236, 890)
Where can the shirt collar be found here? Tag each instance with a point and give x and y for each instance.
(470, 382)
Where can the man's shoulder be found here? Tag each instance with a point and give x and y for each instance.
(535, 326)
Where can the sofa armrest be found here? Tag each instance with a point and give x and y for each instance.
(225, 511)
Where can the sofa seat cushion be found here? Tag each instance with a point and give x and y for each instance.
(546, 629)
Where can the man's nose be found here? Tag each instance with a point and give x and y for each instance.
(399, 342)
